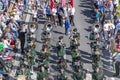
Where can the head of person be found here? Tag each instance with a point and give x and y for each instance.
(60, 38)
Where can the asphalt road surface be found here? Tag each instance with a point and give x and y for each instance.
(82, 21)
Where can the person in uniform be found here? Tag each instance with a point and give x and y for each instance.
(75, 33)
(31, 57)
(96, 54)
(45, 56)
(62, 64)
(46, 43)
(61, 75)
(97, 74)
(42, 74)
(79, 74)
(23, 71)
(77, 63)
(45, 36)
(60, 47)
(75, 53)
(74, 42)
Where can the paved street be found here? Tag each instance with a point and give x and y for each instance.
(82, 21)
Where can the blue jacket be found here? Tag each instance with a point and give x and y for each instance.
(67, 24)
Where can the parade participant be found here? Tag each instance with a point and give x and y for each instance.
(62, 64)
(75, 33)
(79, 74)
(45, 53)
(45, 36)
(31, 57)
(23, 71)
(96, 54)
(97, 74)
(75, 54)
(74, 42)
(62, 75)
(60, 47)
(77, 63)
(22, 39)
(46, 43)
(42, 74)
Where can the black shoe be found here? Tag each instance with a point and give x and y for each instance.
(115, 75)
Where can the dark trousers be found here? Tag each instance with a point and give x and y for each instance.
(71, 17)
(22, 46)
(60, 20)
(117, 64)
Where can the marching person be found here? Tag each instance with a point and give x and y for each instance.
(74, 42)
(23, 71)
(60, 47)
(97, 74)
(42, 74)
(22, 39)
(62, 75)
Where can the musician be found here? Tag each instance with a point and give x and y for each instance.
(46, 43)
(62, 75)
(31, 57)
(60, 47)
(45, 36)
(42, 74)
(98, 74)
(75, 53)
(76, 33)
(45, 53)
(74, 42)
(62, 64)
(79, 74)
(23, 71)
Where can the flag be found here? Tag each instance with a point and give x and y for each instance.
(63, 3)
(72, 3)
(52, 4)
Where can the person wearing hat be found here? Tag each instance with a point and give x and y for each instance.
(74, 42)
(98, 74)
(96, 54)
(23, 71)
(45, 53)
(60, 45)
(42, 74)
(77, 63)
(62, 64)
(31, 57)
(75, 54)
(62, 74)
(78, 74)
(76, 33)
(46, 43)
(46, 36)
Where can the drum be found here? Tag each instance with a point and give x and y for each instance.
(21, 77)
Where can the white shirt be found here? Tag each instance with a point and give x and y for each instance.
(117, 58)
(54, 11)
(6, 44)
(106, 26)
(116, 2)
